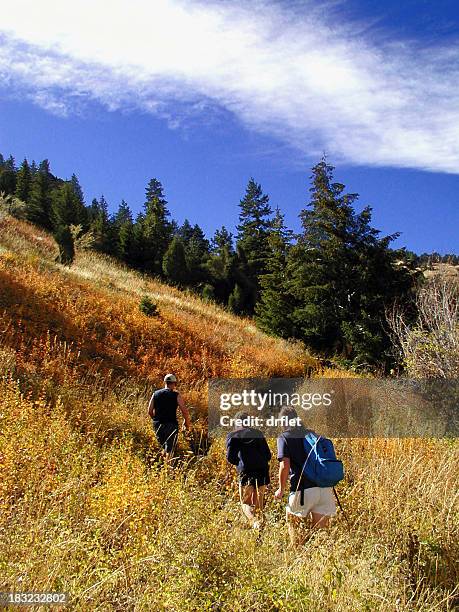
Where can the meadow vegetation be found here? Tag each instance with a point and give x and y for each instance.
(87, 507)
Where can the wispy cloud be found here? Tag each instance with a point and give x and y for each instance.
(312, 84)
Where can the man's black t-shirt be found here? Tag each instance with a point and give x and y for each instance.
(165, 406)
(290, 445)
(248, 450)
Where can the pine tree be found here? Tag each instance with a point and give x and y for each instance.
(335, 273)
(123, 214)
(81, 211)
(274, 309)
(138, 244)
(196, 252)
(124, 229)
(8, 176)
(77, 188)
(39, 202)
(222, 240)
(157, 230)
(93, 210)
(185, 231)
(208, 293)
(102, 227)
(23, 182)
(236, 300)
(219, 265)
(67, 207)
(174, 263)
(240, 276)
(253, 232)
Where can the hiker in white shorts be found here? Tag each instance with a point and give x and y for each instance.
(309, 506)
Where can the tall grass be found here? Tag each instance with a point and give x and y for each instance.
(87, 506)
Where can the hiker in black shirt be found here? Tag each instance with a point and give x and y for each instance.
(163, 410)
(247, 449)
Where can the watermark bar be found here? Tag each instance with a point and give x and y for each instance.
(337, 407)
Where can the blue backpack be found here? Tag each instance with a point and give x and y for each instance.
(321, 465)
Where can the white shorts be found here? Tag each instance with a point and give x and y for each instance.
(315, 499)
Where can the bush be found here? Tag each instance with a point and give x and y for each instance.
(10, 205)
(208, 293)
(148, 307)
(430, 347)
(64, 239)
(82, 240)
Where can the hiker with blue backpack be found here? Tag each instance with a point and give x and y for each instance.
(309, 460)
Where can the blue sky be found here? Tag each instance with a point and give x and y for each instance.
(205, 95)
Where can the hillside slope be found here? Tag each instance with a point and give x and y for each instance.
(87, 507)
(81, 327)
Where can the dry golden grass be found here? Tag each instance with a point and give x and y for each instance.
(87, 507)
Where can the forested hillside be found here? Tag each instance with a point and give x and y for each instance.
(330, 286)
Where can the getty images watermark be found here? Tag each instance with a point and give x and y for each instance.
(268, 400)
(337, 407)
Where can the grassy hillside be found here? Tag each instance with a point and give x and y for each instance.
(87, 507)
(448, 271)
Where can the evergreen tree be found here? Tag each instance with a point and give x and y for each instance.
(77, 188)
(93, 210)
(208, 293)
(185, 231)
(174, 263)
(337, 272)
(124, 230)
(274, 309)
(196, 253)
(220, 265)
(39, 202)
(253, 232)
(123, 214)
(8, 176)
(102, 227)
(222, 241)
(23, 182)
(236, 301)
(138, 254)
(82, 213)
(245, 285)
(156, 230)
(67, 207)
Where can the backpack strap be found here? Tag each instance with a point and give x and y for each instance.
(313, 441)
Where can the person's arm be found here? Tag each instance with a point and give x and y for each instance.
(151, 406)
(266, 449)
(184, 410)
(283, 456)
(232, 450)
(284, 470)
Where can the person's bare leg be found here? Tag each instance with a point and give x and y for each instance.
(258, 504)
(298, 529)
(246, 495)
(320, 521)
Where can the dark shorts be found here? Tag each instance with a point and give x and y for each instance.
(166, 433)
(254, 479)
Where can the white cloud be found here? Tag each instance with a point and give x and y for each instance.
(313, 85)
